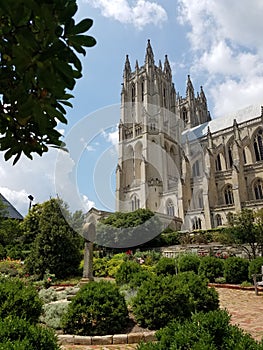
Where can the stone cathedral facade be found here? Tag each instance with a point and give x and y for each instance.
(178, 162)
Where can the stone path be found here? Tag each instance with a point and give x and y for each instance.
(245, 307)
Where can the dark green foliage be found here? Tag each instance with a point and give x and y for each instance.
(138, 278)
(202, 298)
(38, 65)
(19, 334)
(124, 230)
(211, 268)
(210, 331)
(159, 300)
(56, 246)
(166, 266)
(255, 266)
(188, 262)
(236, 270)
(18, 299)
(126, 272)
(97, 309)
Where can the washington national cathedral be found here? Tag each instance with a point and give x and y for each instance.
(177, 161)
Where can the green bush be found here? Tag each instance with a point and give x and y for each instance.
(188, 262)
(19, 334)
(159, 300)
(18, 299)
(127, 271)
(211, 268)
(97, 309)
(202, 298)
(210, 331)
(166, 266)
(114, 264)
(100, 267)
(236, 270)
(138, 278)
(255, 266)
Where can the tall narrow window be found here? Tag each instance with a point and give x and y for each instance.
(170, 208)
(218, 162)
(196, 223)
(184, 116)
(228, 193)
(133, 93)
(142, 90)
(135, 203)
(258, 146)
(230, 157)
(258, 189)
(196, 169)
(218, 220)
(244, 156)
(164, 98)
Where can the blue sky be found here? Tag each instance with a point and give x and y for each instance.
(219, 43)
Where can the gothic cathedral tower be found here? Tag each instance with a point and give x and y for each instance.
(153, 116)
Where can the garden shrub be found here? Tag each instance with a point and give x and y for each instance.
(19, 334)
(210, 331)
(18, 299)
(255, 266)
(188, 262)
(166, 266)
(97, 309)
(211, 268)
(138, 278)
(52, 314)
(126, 272)
(202, 298)
(100, 267)
(114, 264)
(159, 300)
(236, 270)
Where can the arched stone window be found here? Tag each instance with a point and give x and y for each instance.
(218, 220)
(258, 189)
(258, 145)
(228, 195)
(170, 208)
(135, 203)
(196, 223)
(218, 162)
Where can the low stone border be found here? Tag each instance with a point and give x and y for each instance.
(130, 338)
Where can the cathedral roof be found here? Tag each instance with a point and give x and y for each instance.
(222, 123)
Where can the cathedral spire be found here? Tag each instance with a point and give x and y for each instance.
(167, 68)
(202, 94)
(189, 88)
(149, 57)
(127, 67)
(137, 66)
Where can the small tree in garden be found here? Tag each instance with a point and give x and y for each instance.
(97, 309)
(56, 247)
(236, 270)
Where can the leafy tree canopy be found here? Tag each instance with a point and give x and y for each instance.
(38, 65)
(56, 247)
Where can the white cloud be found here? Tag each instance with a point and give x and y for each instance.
(90, 148)
(228, 50)
(139, 14)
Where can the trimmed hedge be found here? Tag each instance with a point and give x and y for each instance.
(236, 270)
(211, 268)
(18, 299)
(19, 334)
(97, 309)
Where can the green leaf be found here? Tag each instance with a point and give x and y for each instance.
(82, 26)
(83, 40)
